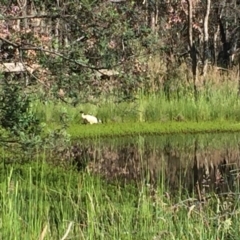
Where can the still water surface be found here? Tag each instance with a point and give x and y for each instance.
(209, 161)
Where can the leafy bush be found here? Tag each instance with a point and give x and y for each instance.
(20, 119)
(17, 115)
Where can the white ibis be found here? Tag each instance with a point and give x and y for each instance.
(90, 119)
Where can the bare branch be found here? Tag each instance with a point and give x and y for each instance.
(9, 42)
(117, 1)
(26, 48)
(35, 16)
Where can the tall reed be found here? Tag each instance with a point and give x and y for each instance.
(40, 201)
(220, 103)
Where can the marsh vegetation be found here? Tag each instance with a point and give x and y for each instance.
(155, 187)
(214, 104)
(62, 179)
(156, 73)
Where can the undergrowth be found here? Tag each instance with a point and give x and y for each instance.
(213, 104)
(39, 201)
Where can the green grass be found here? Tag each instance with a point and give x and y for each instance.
(213, 104)
(43, 202)
(130, 129)
(217, 110)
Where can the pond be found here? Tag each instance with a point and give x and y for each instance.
(142, 187)
(205, 161)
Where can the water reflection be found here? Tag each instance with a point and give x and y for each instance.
(206, 162)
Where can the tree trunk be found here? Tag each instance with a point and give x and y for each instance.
(192, 47)
(23, 5)
(218, 12)
(206, 37)
(154, 17)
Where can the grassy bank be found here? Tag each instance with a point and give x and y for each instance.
(129, 129)
(213, 104)
(44, 202)
(217, 109)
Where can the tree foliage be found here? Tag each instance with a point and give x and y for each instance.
(85, 36)
(81, 50)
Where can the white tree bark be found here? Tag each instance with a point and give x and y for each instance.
(206, 37)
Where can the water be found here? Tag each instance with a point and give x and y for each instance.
(168, 198)
(206, 162)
